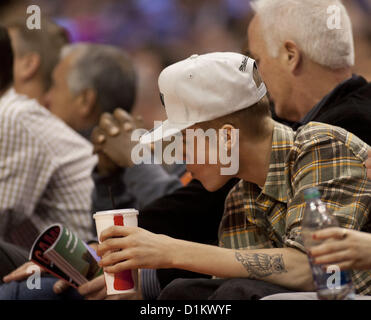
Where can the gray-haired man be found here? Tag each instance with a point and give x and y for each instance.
(307, 65)
(92, 80)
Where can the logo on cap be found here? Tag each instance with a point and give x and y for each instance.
(243, 65)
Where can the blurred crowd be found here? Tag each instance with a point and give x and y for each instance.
(160, 32)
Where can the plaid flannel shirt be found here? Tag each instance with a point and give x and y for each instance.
(317, 155)
(45, 172)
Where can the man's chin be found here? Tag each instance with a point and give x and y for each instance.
(211, 187)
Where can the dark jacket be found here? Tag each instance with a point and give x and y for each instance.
(347, 106)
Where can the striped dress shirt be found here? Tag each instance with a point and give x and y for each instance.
(317, 155)
(45, 172)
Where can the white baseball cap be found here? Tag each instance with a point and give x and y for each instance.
(202, 88)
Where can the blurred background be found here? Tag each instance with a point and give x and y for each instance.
(160, 32)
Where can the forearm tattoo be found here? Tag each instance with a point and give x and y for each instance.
(260, 265)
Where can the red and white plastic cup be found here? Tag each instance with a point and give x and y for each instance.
(125, 281)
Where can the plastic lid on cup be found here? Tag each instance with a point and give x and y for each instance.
(116, 211)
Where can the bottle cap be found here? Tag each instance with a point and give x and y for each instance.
(311, 193)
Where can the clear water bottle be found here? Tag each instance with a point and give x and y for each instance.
(316, 217)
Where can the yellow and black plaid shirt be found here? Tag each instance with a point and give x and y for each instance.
(319, 155)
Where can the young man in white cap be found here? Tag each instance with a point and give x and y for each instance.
(260, 233)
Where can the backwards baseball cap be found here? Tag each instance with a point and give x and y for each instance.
(202, 88)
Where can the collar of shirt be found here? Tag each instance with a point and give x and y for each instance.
(8, 95)
(275, 188)
(340, 91)
(275, 184)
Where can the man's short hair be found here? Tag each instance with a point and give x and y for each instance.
(306, 23)
(6, 59)
(47, 42)
(107, 70)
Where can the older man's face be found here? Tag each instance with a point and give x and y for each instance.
(272, 70)
(59, 99)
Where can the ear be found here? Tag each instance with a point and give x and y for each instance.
(293, 56)
(30, 64)
(87, 100)
(228, 137)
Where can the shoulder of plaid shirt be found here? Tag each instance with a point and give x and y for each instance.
(45, 172)
(317, 155)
